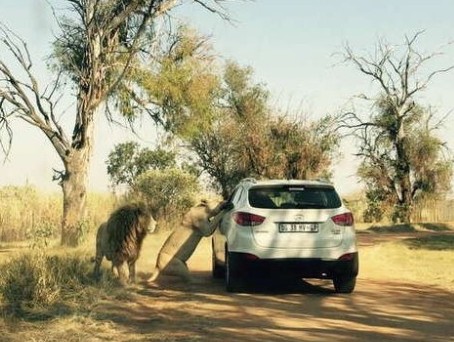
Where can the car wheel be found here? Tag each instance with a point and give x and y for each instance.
(232, 283)
(344, 284)
(218, 271)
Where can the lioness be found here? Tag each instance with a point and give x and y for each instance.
(184, 239)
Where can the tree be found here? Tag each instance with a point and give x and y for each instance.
(401, 158)
(101, 48)
(302, 149)
(127, 161)
(250, 139)
(167, 192)
(217, 155)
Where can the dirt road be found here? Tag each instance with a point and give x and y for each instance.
(378, 310)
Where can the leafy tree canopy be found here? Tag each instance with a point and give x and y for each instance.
(250, 139)
(168, 192)
(127, 161)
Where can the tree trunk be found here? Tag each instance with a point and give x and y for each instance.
(74, 185)
(403, 171)
(74, 181)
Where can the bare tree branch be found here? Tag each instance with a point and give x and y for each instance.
(387, 134)
(23, 99)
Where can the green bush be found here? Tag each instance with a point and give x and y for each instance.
(168, 193)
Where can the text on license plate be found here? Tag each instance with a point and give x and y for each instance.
(298, 227)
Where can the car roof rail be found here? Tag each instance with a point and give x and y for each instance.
(249, 180)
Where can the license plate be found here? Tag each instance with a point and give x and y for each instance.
(298, 227)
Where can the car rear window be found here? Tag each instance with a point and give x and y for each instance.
(294, 197)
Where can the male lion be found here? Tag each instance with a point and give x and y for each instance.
(120, 239)
(184, 239)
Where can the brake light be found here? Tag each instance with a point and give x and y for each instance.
(250, 257)
(345, 219)
(247, 219)
(347, 257)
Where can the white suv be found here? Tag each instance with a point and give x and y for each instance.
(295, 228)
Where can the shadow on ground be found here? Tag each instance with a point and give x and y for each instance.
(436, 227)
(442, 242)
(398, 228)
(436, 236)
(376, 311)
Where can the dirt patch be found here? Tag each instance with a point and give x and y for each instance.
(378, 310)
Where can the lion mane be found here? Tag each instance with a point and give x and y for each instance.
(120, 238)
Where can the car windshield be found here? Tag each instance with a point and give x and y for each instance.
(294, 197)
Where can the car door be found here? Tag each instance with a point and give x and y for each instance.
(219, 236)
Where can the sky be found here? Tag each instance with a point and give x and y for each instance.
(294, 49)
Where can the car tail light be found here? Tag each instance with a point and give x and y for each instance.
(250, 257)
(347, 257)
(345, 219)
(247, 219)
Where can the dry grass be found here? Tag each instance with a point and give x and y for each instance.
(421, 253)
(49, 295)
(398, 261)
(24, 210)
(70, 329)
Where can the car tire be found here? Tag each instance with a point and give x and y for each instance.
(344, 284)
(218, 271)
(232, 282)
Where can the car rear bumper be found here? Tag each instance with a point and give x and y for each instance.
(248, 265)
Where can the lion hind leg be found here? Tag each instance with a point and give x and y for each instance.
(179, 268)
(176, 267)
(97, 260)
(171, 266)
(97, 267)
(100, 250)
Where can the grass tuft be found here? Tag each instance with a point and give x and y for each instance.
(36, 284)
